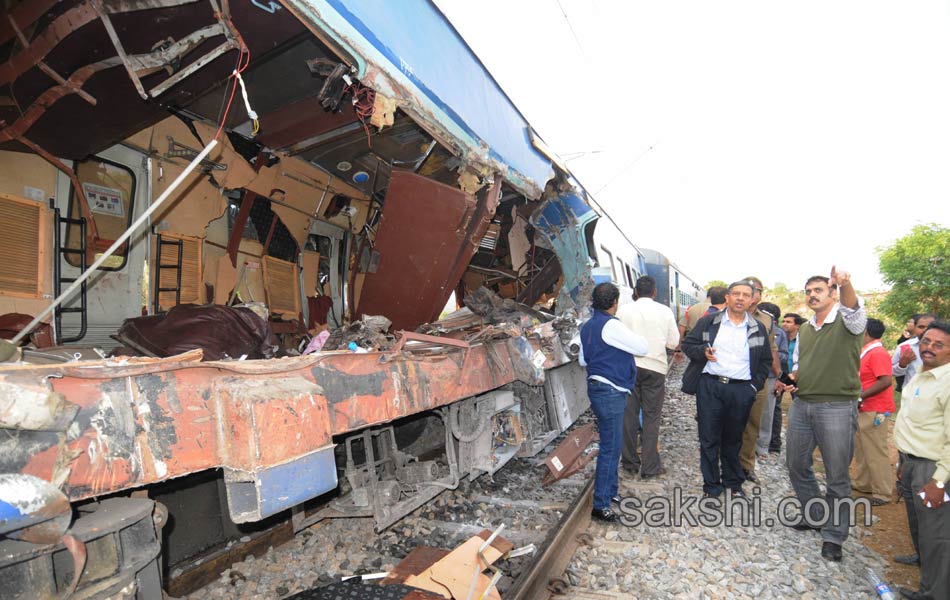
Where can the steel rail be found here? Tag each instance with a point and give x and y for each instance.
(559, 548)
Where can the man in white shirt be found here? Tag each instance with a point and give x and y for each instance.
(905, 362)
(730, 358)
(657, 324)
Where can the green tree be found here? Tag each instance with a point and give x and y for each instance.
(787, 299)
(892, 327)
(918, 268)
(716, 282)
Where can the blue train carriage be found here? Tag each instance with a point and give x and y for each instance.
(674, 288)
(614, 257)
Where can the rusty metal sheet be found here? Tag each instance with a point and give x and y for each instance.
(248, 416)
(568, 458)
(423, 231)
(50, 96)
(300, 120)
(147, 420)
(71, 128)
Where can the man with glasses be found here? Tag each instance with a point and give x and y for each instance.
(729, 361)
(824, 411)
(922, 436)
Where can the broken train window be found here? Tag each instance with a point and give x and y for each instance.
(265, 227)
(109, 188)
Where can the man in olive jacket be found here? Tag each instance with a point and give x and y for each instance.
(730, 357)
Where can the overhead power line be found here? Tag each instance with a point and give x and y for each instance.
(573, 33)
(626, 167)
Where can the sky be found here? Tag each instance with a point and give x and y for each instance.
(738, 138)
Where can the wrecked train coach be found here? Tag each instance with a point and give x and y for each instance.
(244, 176)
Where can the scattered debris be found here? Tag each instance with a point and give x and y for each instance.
(495, 309)
(368, 333)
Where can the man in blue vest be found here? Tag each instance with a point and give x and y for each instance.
(607, 350)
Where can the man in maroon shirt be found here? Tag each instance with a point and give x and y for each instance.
(874, 474)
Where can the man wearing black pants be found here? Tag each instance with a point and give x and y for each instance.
(922, 438)
(730, 357)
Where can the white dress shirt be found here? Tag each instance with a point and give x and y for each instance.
(855, 321)
(732, 350)
(656, 323)
(911, 369)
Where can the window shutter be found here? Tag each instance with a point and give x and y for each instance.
(282, 287)
(191, 283)
(23, 249)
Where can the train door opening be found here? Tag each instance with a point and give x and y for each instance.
(116, 185)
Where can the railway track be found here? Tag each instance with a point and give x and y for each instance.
(279, 564)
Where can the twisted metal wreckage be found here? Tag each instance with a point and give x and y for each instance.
(399, 151)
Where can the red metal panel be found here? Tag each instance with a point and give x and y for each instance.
(145, 422)
(269, 420)
(423, 229)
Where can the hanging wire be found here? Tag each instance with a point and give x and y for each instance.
(246, 55)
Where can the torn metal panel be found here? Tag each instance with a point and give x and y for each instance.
(163, 39)
(562, 220)
(276, 454)
(303, 119)
(425, 225)
(256, 432)
(488, 200)
(435, 78)
(569, 457)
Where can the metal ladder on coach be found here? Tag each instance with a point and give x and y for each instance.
(59, 280)
(162, 266)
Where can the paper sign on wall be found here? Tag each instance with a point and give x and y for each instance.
(104, 200)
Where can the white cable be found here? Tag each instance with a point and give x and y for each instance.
(247, 103)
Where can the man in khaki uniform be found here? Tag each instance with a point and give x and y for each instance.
(751, 433)
(693, 314)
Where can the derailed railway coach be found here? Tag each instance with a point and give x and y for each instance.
(230, 234)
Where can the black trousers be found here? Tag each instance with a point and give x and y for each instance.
(929, 527)
(648, 393)
(722, 410)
